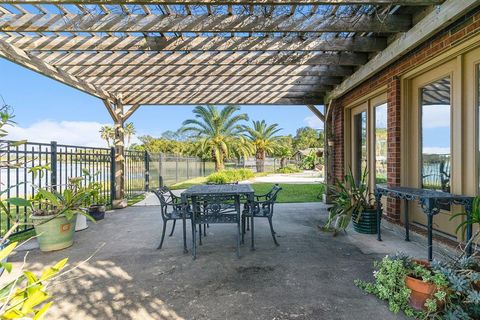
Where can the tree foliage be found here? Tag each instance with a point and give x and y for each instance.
(219, 132)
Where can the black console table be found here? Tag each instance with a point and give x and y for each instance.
(430, 201)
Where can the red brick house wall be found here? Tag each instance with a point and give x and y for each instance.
(459, 31)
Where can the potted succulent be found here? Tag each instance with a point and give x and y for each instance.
(54, 214)
(352, 201)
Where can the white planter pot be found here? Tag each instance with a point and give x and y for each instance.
(81, 223)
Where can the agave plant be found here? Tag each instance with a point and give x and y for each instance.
(350, 199)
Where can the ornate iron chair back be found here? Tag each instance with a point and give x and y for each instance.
(216, 209)
(168, 199)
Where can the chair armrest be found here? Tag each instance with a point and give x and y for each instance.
(262, 196)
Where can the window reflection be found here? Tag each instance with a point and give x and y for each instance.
(381, 144)
(360, 144)
(435, 139)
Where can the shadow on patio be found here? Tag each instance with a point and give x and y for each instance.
(309, 276)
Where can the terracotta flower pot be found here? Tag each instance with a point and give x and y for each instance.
(421, 291)
(476, 285)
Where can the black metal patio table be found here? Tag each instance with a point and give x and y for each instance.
(430, 201)
(243, 190)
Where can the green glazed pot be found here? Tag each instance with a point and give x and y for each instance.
(54, 234)
(367, 223)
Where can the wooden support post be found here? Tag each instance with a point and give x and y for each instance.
(119, 117)
(119, 143)
(328, 155)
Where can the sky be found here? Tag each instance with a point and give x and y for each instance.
(47, 110)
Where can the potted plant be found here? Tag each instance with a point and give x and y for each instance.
(352, 201)
(440, 290)
(54, 214)
(97, 205)
(98, 208)
(427, 286)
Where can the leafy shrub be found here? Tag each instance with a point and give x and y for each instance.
(308, 161)
(229, 176)
(288, 169)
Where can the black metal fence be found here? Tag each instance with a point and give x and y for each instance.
(62, 162)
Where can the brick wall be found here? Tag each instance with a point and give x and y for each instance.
(461, 30)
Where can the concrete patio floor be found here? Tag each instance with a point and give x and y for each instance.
(309, 276)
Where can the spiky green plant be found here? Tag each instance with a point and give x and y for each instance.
(350, 199)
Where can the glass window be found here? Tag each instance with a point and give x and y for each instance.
(435, 135)
(360, 144)
(381, 144)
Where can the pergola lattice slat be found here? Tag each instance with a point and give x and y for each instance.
(249, 2)
(267, 80)
(137, 43)
(224, 98)
(305, 88)
(209, 51)
(113, 22)
(202, 58)
(202, 71)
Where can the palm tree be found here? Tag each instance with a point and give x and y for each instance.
(264, 139)
(107, 133)
(218, 131)
(129, 131)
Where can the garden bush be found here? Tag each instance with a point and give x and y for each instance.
(229, 176)
(288, 169)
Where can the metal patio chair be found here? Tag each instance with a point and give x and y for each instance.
(262, 207)
(211, 209)
(171, 208)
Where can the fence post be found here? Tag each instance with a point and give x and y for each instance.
(188, 175)
(112, 174)
(274, 163)
(160, 177)
(147, 171)
(176, 169)
(204, 168)
(53, 165)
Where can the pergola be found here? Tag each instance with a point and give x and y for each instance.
(277, 52)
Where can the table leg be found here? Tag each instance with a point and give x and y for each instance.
(252, 229)
(407, 223)
(252, 226)
(185, 250)
(430, 237)
(469, 248)
(378, 200)
(184, 223)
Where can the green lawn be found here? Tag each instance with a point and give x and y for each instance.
(293, 192)
(290, 193)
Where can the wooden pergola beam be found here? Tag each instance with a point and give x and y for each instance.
(154, 43)
(202, 71)
(31, 62)
(115, 22)
(435, 21)
(194, 98)
(316, 112)
(203, 58)
(207, 80)
(223, 2)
